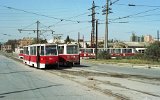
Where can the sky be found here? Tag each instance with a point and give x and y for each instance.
(63, 16)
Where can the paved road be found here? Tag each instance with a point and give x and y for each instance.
(128, 69)
(20, 82)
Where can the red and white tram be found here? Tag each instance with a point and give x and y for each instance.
(47, 55)
(68, 54)
(114, 52)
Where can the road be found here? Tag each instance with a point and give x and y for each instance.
(122, 69)
(123, 82)
(20, 82)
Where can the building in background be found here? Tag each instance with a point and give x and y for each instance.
(25, 41)
(135, 38)
(148, 39)
(6, 48)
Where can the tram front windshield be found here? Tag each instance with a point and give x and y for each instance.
(51, 50)
(72, 49)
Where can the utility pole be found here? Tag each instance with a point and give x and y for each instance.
(106, 11)
(157, 35)
(37, 31)
(106, 28)
(78, 37)
(93, 24)
(96, 39)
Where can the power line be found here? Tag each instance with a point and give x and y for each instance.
(138, 5)
(148, 15)
(71, 18)
(145, 21)
(61, 19)
(129, 16)
(28, 26)
(111, 3)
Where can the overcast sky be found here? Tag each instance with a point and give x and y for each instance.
(143, 19)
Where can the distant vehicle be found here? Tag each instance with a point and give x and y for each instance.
(20, 55)
(47, 55)
(68, 54)
(114, 52)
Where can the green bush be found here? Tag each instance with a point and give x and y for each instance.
(103, 55)
(139, 56)
(153, 52)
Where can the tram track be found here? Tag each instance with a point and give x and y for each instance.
(109, 74)
(93, 82)
(91, 86)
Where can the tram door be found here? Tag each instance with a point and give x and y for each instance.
(38, 57)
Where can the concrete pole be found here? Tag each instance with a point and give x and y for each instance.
(106, 28)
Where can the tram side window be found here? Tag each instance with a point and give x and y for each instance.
(81, 51)
(31, 50)
(60, 49)
(34, 51)
(117, 50)
(89, 50)
(51, 50)
(112, 50)
(72, 49)
(129, 51)
(123, 50)
(42, 50)
(26, 50)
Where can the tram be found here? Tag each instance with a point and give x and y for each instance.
(41, 55)
(68, 54)
(114, 52)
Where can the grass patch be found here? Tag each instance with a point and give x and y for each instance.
(130, 61)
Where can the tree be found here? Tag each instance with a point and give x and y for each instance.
(67, 40)
(0, 45)
(142, 38)
(153, 51)
(133, 37)
(14, 44)
(40, 41)
(101, 44)
(87, 45)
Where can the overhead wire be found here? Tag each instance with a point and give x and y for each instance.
(138, 5)
(38, 14)
(144, 21)
(29, 25)
(132, 15)
(71, 18)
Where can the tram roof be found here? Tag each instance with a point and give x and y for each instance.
(41, 44)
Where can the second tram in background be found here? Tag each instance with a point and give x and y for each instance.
(68, 54)
(114, 52)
